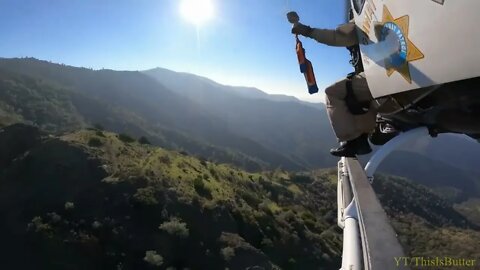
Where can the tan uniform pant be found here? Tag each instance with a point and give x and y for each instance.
(346, 125)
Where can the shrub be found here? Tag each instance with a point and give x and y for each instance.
(125, 138)
(145, 196)
(267, 242)
(250, 198)
(54, 217)
(198, 183)
(228, 253)
(326, 257)
(95, 142)
(143, 140)
(213, 172)
(153, 258)
(69, 205)
(96, 224)
(301, 178)
(200, 187)
(39, 226)
(99, 133)
(176, 227)
(165, 160)
(307, 215)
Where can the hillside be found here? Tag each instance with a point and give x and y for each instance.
(124, 102)
(285, 124)
(197, 87)
(240, 126)
(90, 200)
(427, 224)
(451, 149)
(97, 200)
(452, 182)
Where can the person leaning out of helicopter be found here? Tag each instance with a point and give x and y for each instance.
(350, 129)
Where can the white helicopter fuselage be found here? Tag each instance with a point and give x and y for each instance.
(412, 44)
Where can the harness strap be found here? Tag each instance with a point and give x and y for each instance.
(354, 106)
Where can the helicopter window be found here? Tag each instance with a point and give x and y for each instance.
(358, 5)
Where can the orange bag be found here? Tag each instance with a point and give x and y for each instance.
(306, 68)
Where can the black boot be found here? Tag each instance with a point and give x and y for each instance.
(362, 147)
(346, 149)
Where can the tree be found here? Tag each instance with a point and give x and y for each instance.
(153, 258)
(95, 142)
(125, 138)
(176, 227)
(143, 140)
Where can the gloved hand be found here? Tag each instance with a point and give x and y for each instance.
(298, 28)
(301, 29)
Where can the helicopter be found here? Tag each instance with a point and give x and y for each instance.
(422, 67)
(421, 60)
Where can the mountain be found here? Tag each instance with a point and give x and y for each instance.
(287, 125)
(126, 102)
(197, 87)
(457, 150)
(427, 224)
(454, 183)
(444, 163)
(92, 199)
(236, 125)
(97, 200)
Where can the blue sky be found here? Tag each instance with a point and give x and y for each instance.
(247, 43)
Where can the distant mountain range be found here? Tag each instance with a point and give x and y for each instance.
(238, 125)
(197, 87)
(250, 132)
(282, 123)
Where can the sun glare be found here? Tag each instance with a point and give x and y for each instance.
(197, 11)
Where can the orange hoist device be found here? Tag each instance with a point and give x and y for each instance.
(306, 68)
(305, 65)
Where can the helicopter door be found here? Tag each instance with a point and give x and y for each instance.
(411, 44)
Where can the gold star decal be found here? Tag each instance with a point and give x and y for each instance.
(408, 52)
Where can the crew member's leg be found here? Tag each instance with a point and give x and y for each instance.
(342, 121)
(364, 123)
(350, 129)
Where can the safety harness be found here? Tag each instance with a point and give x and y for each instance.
(354, 106)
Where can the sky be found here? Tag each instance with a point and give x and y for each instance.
(245, 43)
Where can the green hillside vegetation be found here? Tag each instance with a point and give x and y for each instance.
(428, 225)
(471, 209)
(77, 197)
(177, 111)
(90, 200)
(23, 99)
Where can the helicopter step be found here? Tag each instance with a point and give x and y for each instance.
(369, 241)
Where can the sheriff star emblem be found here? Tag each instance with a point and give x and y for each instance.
(407, 51)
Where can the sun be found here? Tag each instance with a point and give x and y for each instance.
(197, 11)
